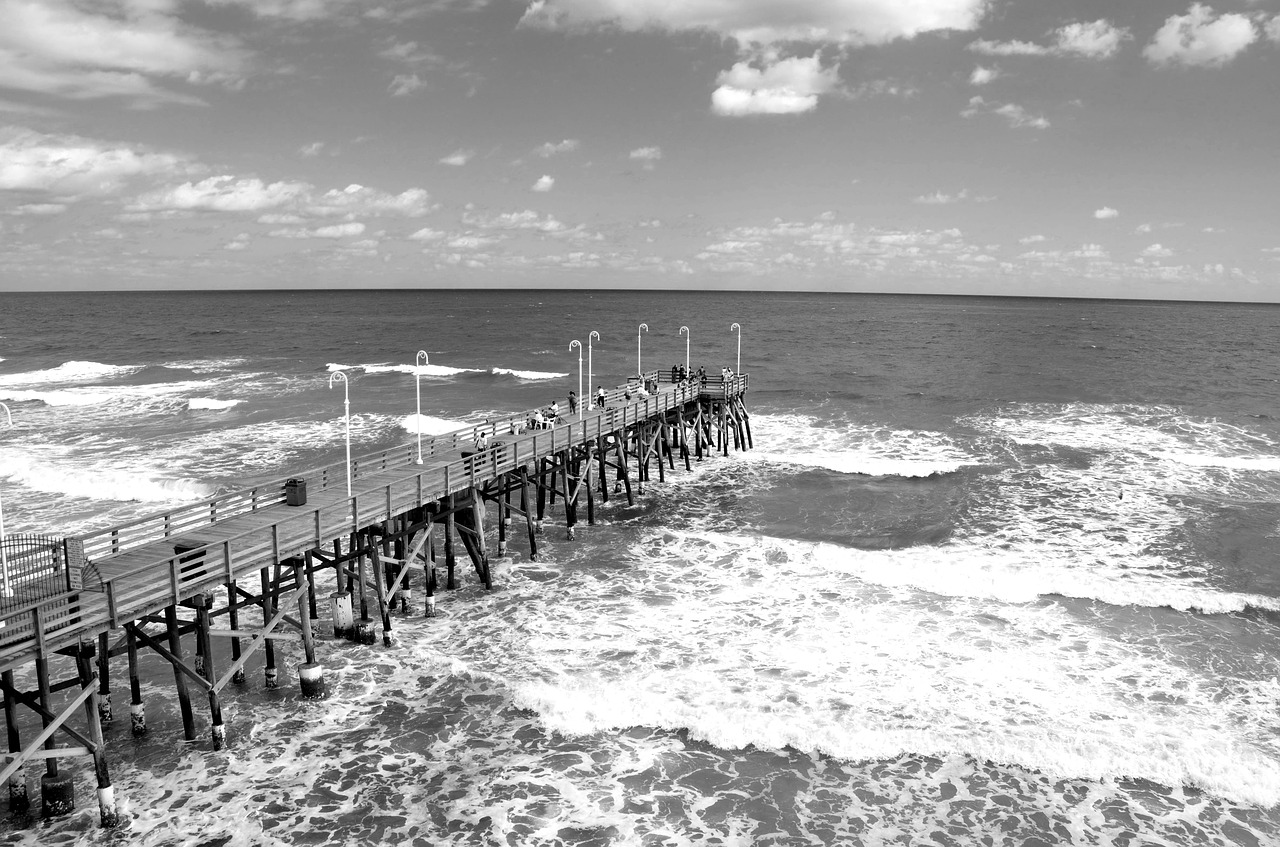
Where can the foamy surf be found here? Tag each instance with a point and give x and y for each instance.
(529, 375)
(851, 448)
(63, 475)
(208, 403)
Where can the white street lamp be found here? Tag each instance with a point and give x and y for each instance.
(346, 406)
(590, 375)
(4, 556)
(419, 362)
(738, 327)
(576, 343)
(684, 330)
(640, 370)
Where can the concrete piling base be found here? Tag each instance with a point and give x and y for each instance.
(138, 718)
(343, 620)
(57, 794)
(311, 679)
(431, 606)
(19, 801)
(107, 812)
(238, 677)
(104, 709)
(219, 734)
(272, 678)
(364, 632)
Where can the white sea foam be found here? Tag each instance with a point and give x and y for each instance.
(803, 441)
(424, 370)
(69, 372)
(772, 643)
(209, 403)
(63, 474)
(530, 375)
(59, 397)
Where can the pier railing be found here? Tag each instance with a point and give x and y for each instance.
(168, 580)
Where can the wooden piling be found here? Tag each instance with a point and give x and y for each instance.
(218, 731)
(107, 814)
(180, 681)
(19, 800)
(137, 712)
(310, 673)
(271, 676)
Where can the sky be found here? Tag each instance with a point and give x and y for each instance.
(1010, 147)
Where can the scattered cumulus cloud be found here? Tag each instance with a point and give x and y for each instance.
(1106, 213)
(550, 149)
(69, 164)
(1031, 239)
(427, 234)
(345, 230)
(1201, 38)
(1157, 251)
(405, 84)
(782, 87)
(240, 242)
(295, 199)
(982, 75)
(1016, 116)
(544, 183)
(1090, 40)
(938, 198)
(458, 158)
(1272, 29)
(646, 154)
(312, 149)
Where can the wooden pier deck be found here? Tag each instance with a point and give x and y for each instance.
(140, 573)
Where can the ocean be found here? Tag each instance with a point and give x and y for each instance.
(997, 571)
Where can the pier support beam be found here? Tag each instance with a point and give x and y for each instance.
(179, 681)
(311, 673)
(137, 711)
(19, 801)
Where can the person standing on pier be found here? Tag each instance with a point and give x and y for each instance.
(573, 402)
(600, 396)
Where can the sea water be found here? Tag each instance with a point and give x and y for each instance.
(996, 571)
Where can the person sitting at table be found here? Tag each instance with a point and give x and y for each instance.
(553, 413)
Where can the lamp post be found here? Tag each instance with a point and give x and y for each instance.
(4, 556)
(738, 327)
(640, 370)
(576, 343)
(346, 406)
(590, 375)
(419, 362)
(684, 330)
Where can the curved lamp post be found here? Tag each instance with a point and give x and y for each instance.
(590, 376)
(4, 556)
(346, 406)
(419, 362)
(576, 343)
(684, 330)
(738, 327)
(640, 370)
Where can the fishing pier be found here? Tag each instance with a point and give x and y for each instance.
(244, 566)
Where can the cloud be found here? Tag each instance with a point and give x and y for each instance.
(222, 194)
(295, 199)
(783, 87)
(1106, 213)
(41, 209)
(647, 154)
(1143, 228)
(240, 242)
(544, 183)
(312, 149)
(1272, 29)
(361, 200)
(1157, 251)
(527, 220)
(982, 76)
(1017, 116)
(458, 158)
(766, 21)
(937, 198)
(1093, 40)
(404, 84)
(1031, 239)
(110, 48)
(335, 231)
(548, 149)
(70, 164)
(1200, 38)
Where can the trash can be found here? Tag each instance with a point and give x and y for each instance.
(295, 492)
